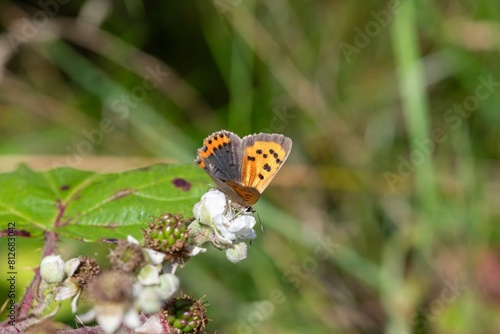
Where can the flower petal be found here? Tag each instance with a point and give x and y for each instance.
(152, 326)
(237, 252)
(169, 284)
(149, 275)
(148, 300)
(131, 318)
(67, 290)
(109, 316)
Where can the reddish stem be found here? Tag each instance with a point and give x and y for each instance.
(48, 249)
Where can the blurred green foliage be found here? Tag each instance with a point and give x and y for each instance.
(395, 131)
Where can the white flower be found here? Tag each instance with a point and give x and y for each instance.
(112, 296)
(149, 275)
(67, 290)
(149, 298)
(238, 228)
(70, 287)
(72, 265)
(110, 316)
(153, 325)
(229, 226)
(237, 252)
(195, 250)
(229, 223)
(153, 256)
(156, 282)
(169, 284)
(212, 203)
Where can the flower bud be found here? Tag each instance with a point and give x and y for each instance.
(52, 269)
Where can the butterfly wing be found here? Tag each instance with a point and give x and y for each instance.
(243, 168)
(220, 157)
(246, 196)
(264, 154)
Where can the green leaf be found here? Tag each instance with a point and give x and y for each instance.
(90, 207)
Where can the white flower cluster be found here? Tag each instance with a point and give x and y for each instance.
(155, 284)
(225, 226)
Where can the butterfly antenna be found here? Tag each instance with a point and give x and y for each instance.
(261, 225)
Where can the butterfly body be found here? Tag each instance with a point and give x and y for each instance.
(243, 167)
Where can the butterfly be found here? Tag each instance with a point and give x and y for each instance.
(243, 167)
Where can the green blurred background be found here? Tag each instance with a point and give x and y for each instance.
(383, 218)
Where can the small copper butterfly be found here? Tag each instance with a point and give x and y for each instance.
(243, 168)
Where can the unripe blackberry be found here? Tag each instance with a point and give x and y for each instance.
(185, 315)
(87, 270)
(127, 257)
(168, 234)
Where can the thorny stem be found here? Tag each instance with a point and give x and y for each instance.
(48, 249)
